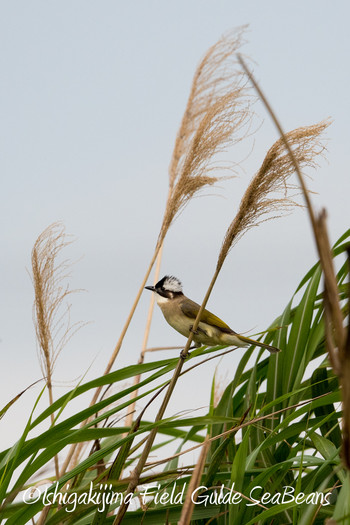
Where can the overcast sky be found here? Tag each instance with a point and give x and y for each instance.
(92, 94)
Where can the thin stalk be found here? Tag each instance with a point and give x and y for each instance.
(159, 348)
(129, 418)
(341, 360)
(128, 321)
(286, 143)
(43, 515)
(215, 111)
(75, 448)
(187, 509)
(327, 267)
(135, 476)
(49, 386)
(49, 389)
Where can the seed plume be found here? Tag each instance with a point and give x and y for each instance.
(51, 318)
(217, 109)
(269, 191)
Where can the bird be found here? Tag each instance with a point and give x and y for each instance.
(180, 312)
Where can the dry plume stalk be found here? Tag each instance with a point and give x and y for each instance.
(215, 116)
(333, 311)
(257, 201)
(51, 317)
(134, 394)
(216, 110)
(187, 509)
(337, 340)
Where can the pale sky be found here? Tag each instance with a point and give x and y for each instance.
(92, 94)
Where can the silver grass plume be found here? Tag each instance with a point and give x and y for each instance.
(268, 193)
(217, 111)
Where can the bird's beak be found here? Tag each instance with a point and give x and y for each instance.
(152, 288)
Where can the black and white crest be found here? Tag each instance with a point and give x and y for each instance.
(169, 283)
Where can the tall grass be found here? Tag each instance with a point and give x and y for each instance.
(273, 447)
(275, 425)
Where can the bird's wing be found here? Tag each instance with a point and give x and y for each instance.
(191, 309)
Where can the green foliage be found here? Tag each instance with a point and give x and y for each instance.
(275, 434)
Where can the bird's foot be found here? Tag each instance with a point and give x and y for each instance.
(182, 353)
(184, 356)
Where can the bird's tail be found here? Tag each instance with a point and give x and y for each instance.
(272, 349)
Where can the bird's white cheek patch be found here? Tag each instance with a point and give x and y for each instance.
(162, 300)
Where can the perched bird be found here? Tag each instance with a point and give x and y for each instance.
(181, 312)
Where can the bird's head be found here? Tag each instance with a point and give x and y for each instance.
(169, 287)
